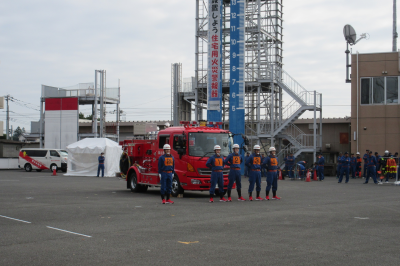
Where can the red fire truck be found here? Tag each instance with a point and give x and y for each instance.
(191, 146)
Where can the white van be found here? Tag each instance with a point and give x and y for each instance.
(42, 159)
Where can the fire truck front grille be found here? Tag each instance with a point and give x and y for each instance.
(207, 171)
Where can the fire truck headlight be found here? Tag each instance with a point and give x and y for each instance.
(196, 182)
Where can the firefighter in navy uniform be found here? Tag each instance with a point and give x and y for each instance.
(290, 165)
(353, 162)
(101, 160)
(365, 158)
(345, 167)
(234, 160)
(216, 164)
(166, 170)
(321, 163)
(339, 165)
(272, 167)
(358, 165)
(371, 168)
(378, 165)
(254, 165)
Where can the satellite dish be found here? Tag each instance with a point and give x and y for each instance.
(350, 34)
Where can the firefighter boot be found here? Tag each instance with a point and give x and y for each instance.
(221, 197)
(258, 196)
(266, 195)
(274, 195)
(240, 195)
(168, 201)
(162, 198)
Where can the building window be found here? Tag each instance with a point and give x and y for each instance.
(392, 90)
(380, 90)
(344, 138)
(366, 91)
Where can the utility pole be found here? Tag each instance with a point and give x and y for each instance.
(394, 48)
(8, 118)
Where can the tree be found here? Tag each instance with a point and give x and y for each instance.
(82, 116)
(18, 132)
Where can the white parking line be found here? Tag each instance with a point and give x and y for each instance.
(15, 219)
(67, 231)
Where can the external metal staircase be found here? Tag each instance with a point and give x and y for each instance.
(302, 101)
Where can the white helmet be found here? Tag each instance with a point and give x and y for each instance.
(358, 153)
(236, 146)
(217, 147)
(386, 151)
(256, 147)
(272, 149)
(166, 147)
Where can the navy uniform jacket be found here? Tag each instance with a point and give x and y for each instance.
(233, 160)
(378, 159)
(353, 161)
(365, 157)
(290, 161)
(254, 161)
(303, 163)
(101, 159)
(271, 163)
(166, 163)
(321, 161)
(371, 161)
(215, 162)
(345, 161)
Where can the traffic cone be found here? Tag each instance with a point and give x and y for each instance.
(308, 179)
(315, 175)
(280, 175)
(54, 171)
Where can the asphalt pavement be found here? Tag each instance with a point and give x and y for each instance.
(59, 220)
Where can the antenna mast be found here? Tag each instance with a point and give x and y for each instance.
(394, 48)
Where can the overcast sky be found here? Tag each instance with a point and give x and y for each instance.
(61, 43)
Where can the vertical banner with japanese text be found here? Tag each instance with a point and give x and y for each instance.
(214, 75)
(237, 68)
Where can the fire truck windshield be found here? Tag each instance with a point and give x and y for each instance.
(202, 144)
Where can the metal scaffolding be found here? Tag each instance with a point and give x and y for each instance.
(273, 99)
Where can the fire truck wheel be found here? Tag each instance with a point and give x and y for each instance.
(176, 187)
(135, 187)
(28, 167)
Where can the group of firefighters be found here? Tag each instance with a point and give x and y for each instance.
(375, 166)
(290, 167)
(216, 163)
(255, 164)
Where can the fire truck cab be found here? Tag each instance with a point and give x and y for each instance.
(191, 146)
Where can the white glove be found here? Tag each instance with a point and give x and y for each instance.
(159, 175)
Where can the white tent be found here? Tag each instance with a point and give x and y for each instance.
(83, 157)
